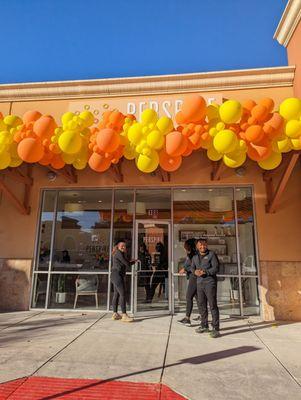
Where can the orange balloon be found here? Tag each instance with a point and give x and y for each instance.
(107, 140)
(30, 150)
(268, 103)
(188, 150)
(176, 144)
(31, 116)
(44, 127)
(47, 158)
(247, 106)
(169, 163)
(99, 163)
(254, 133)
(57, 162)
(195, 140)
(259, 151)
(274, 126)
(193, 109)
(260, 113)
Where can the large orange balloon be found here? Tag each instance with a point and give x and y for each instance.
(268, 103)
(44, 127)
(254, 134)
(99, 163)
(30, 150)
(47, 158)
(169, 163)
(176, 144)
(107, 140)
(260, 113)
(57, 162)
(31, 116)
(259, 151)
(193, 109)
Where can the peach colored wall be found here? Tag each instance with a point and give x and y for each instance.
(294, 58)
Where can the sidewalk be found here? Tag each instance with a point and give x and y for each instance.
(251, 360)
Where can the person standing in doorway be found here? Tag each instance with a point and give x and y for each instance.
(119, 266)
(191, 291)
(205, 266)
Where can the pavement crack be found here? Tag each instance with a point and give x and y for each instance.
(22, 320)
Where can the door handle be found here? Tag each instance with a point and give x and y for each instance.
(138, 263)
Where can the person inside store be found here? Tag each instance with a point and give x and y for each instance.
(191, 292)
(146, 272)
(66, 257)
(160, 273)
(205, 266)
(120, 264)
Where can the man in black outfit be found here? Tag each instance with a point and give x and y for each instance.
(205, 266)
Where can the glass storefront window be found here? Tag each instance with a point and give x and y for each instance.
(39, 290)
(78, 291)
(250, 296)
(46, 224)
(153, 204)
(123, 218)
(82, 234)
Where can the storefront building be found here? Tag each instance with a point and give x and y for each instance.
(57, 228)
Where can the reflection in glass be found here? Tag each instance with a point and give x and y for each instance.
(246, 231)
(78, 291)
(228, 295)
(39, 290)
(250, 296)
(153, 204)
(47, 216)
(123, 218)
(82, 234)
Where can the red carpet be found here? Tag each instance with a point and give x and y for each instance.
(41, 388)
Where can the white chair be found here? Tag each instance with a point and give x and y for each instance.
(86, 285)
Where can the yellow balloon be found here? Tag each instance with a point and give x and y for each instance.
(135, 133)
(15, 162)
(293, 128)
(67, 117)
(4, 141)
(212, 112)
(5, 160)
(80, 164)
(296, 143)
(129, 152)
(282, 145)
(70, 142)
(230, 111)
(272, 162)
(148, 163)
(243, 145)
(225, 141)
(213, 155)
(13, 150)
(235, 159)
(155, 140)
(290, 108)
(69, 158)
(12, 120)
(87, 117)
(149, 116)
(3, 127)
(165, 125)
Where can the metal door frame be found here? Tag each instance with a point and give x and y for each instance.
(135, 270)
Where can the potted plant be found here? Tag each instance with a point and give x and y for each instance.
(234, 293)
(60, 296)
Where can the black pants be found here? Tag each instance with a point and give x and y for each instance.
(207, 294)
(119, 291)
(191, 292)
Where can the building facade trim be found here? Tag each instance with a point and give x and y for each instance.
(289, 22)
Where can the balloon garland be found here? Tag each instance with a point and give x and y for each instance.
(231, 132)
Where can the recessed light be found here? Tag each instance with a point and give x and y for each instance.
(120, 201)
(210, 190)
(183, 190)
(99, 201)
(238, 190)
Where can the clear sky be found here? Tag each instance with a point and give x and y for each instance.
(46, 40)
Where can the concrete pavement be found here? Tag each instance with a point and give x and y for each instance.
(251, 360)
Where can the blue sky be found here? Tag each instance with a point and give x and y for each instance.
(47, 40)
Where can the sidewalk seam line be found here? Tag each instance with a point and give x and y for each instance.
(274, 355)
(165, 356)
(19, 322)
(56, 354)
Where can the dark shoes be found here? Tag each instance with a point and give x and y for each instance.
(214, 334)
(197, 318)
(202, 330)
(185, 321)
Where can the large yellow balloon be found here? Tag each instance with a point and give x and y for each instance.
(213, 155)
(155, 140)
(235, 159)
(290, 108)
(272, 162)
(225, 141)
(165, 125)
(70, 142)
(135, 133)
(296, 143)
(4, 160)
(87, 117)
(230, 111)
(148, 164)
(293, 128)
(69, 158)
(149, 116)
(67, 117)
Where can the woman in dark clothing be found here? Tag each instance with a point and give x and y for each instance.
(119, 266)
(159, 270)
(146, 272)
(191, 291)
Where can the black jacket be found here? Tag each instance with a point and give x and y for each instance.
(120, 263)
(208, 262)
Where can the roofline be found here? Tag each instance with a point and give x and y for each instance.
(288, 23)
(150, 85)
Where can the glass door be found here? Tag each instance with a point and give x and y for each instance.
(152, 270)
